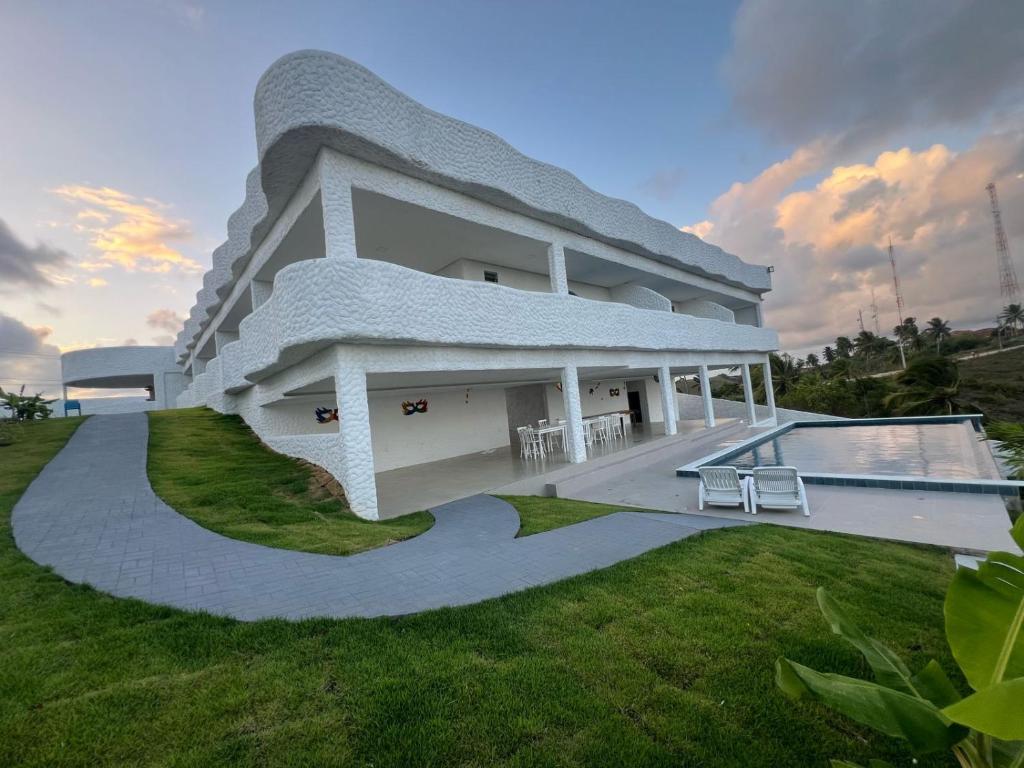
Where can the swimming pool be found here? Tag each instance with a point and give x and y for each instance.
(944, 453)
(922, 450)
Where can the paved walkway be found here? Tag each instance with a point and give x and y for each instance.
(92, 516)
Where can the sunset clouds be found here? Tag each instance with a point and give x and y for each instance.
(128, 232)
(828, 241)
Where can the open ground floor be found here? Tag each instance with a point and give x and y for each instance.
(363, 411)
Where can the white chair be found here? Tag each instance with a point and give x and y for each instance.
(588, 433)
(601, 429)
(542, 423)
(531, 444)
(777, 488)
(615, 427)
(722, 487)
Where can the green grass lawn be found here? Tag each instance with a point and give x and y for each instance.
(664, 660)
(213, 469)
(538, 514)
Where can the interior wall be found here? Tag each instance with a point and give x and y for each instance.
(468, 269)
(595, 403)
(524, 405)
(452, 426)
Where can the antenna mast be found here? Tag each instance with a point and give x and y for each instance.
(1009, 289)
(874, 312)
(899, 302)
(860, 319)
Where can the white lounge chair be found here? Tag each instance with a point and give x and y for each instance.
(777, 488)
(722, 487)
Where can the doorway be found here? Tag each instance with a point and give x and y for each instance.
(636, 397)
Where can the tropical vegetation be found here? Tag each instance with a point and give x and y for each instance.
(22, 407)
(984, 612)
(862, 376)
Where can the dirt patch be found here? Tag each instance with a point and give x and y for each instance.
(323, 485)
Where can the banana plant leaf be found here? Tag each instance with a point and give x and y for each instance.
(871, 764)
(889, 711)
(984, 613)
(931, 683)
(997, 710)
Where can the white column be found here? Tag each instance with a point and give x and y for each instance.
(65, 391)
(668, 399)
(336, 200)
(198, 366)
(705, 396)
(575, 444)
(748, 396)
(769, 391)
(556, 269)
(260, 291)
(355, 443)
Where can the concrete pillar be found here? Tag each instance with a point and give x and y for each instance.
(668, 399)
(198, 366)
(748, 396)
(705, 396)
(355, 442)
(575, 444)
(336, 200)
(769, 391)
(260, 291)
(556, 269)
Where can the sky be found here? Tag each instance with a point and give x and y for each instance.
(797, 134)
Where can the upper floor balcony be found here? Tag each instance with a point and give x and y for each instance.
(316, 303)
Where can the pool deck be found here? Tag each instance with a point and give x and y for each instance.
(962, 521)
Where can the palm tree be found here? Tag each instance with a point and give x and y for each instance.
(785, 375)
(844, 347)
(908, 334)
(813, 361)
(1013, 315)
(938, 329)
(929, 386)
(829, 354)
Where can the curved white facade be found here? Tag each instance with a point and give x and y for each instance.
(385, 253)
(125, 368)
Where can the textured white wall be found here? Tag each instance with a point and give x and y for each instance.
(469, 269)
(450, 427)
(704, 308)
(641, 297)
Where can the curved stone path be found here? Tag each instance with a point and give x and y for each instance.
(92, 516)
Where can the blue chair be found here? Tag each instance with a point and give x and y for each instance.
(72, 405)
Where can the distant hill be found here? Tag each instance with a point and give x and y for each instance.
(995, 383)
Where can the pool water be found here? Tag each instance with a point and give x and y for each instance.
(920, 450)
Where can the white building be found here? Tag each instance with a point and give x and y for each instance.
(387, 254)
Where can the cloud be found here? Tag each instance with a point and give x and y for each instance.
(164, 341)
(130, 343)
(96, 282)
(49, 309)
(24, 266)
(26, 358)
(664, 184)
(862, 71)
(165, 320)
(127, 232)
(829, 242)
(701, 229)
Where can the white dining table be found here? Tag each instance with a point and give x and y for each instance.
(547, 432)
